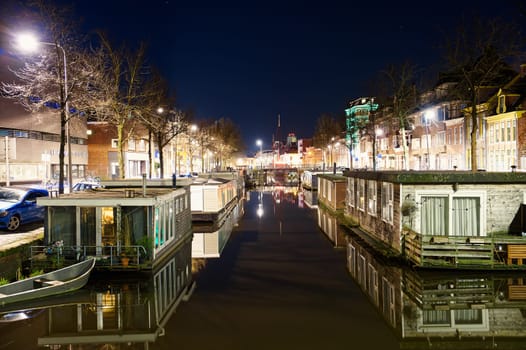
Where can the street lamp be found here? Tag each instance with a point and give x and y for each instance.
(29, 43)
(260, 144)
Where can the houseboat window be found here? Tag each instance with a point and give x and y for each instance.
(361, 194)
(108, 226)
(466, 220)
(88, 229)
(436, 317)
(388, 305)
(468, 317)
(156, 227)
(171, 219)
(434, 216)
(134, 222)
(371, 197)
(350, 191)
(62, 225)
(387, 202)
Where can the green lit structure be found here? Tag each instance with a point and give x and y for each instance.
(357, 118)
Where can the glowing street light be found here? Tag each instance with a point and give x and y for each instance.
(27, 42)
(260, 144)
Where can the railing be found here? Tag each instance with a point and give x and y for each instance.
(55, 256)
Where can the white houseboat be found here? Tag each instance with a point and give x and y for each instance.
(442, 219)
(126, 224)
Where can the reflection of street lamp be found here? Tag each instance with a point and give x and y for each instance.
(260, 144)
(29, 43)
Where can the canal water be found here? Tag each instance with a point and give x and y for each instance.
(288, 278)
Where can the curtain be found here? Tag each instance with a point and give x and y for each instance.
(434, 216)
(465, 214)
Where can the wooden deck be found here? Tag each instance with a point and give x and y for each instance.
(502, 252)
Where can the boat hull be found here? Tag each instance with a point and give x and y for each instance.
(60, 281)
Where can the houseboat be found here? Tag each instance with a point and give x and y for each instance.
(438, 309)
(124, 225)
(332, 191)
(473, 220)
(213, 198)
(309, 179)
(113, 312)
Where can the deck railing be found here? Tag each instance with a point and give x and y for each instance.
(458, 251)
(55, 256)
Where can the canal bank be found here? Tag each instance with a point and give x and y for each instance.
(15, 249)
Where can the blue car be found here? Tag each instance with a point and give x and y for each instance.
(19, 206)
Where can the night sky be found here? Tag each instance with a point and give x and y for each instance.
(252, 60)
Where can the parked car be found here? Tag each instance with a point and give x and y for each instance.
(85, 185)
(19, 206)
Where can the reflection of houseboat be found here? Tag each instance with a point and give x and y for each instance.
(329, 225)
(129, 224)
(442, 219)
(310, 198)
(130, 311)
(209, 241)
(432, 309)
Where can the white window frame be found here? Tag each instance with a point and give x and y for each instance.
(387, 202)
(131, 144)
(350, 192)
(360, 194)
(371, 197)
(450, 194)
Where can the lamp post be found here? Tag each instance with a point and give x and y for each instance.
(29, 43)
(260, 144)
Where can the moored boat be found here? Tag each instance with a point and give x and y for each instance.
(60, 281)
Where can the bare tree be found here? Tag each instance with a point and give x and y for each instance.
(158, 115)
(55, 80)
(402, 91)
(227, 139)
(476, 54)
(119, 90)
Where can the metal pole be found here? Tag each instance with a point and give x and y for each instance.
(66, 113)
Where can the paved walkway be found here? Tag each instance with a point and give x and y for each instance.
(9, 240)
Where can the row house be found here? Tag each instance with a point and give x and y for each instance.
(437, 134)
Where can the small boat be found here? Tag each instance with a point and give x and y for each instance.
(60, 281)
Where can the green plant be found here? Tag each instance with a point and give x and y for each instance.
(147, 243)
(3, 281)
(36, 273)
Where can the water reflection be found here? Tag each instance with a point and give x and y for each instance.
(438, 309)
(110, 313)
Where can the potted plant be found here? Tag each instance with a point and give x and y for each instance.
(126, 255)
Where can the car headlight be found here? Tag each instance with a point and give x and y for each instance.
(3, 213)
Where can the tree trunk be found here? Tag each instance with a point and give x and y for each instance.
(61, 150)
(161, 156)
(150, 158)
(120, 146)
